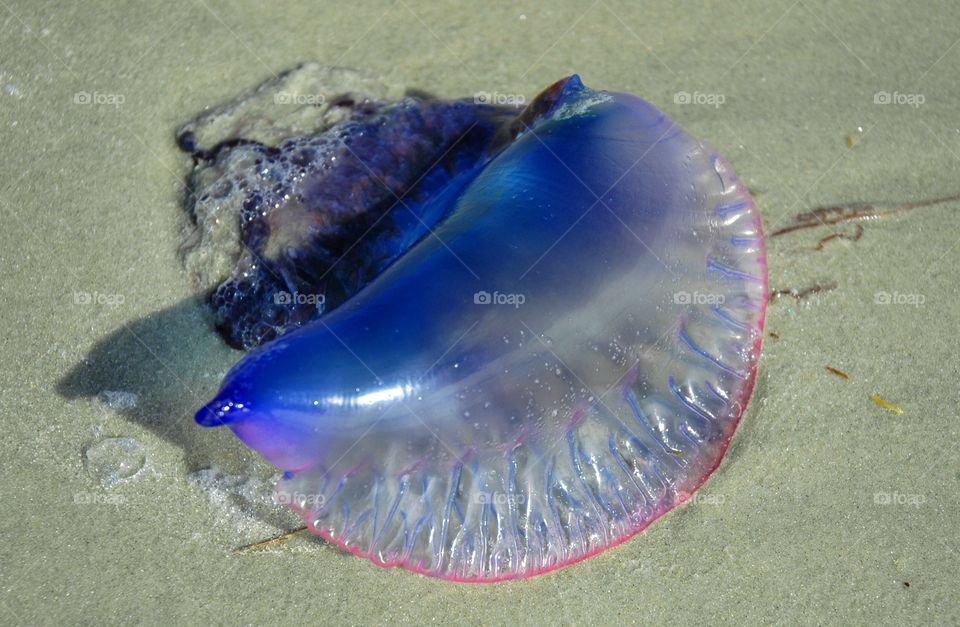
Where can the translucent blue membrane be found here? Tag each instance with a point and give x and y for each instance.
(556, 363)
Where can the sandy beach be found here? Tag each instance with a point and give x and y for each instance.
(837, 501)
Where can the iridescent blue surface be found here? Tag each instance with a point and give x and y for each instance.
(560, 361)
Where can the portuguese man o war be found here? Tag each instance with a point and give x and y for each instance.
(534, 333)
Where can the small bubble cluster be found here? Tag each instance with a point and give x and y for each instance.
(113, 461)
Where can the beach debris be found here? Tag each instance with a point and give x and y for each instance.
(271, 542)
(849, 237)
(856, 211)
(886, 404)
(804, 293)
(838, 372)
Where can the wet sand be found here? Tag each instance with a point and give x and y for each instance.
(837, 501)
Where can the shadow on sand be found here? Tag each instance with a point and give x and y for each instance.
(174, 362)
